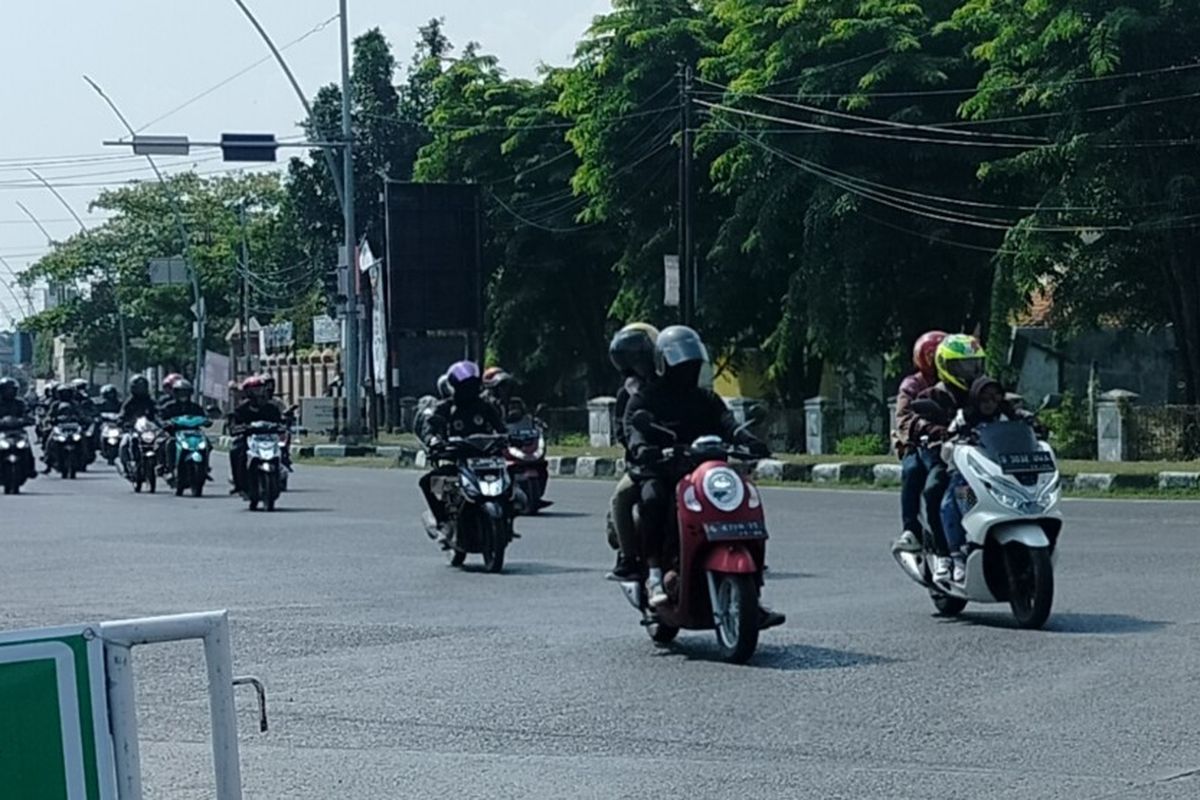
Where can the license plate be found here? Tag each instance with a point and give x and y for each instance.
(480, 464)
(1027, 462)
(735, 530)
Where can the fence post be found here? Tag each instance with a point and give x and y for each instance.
(818, 426)
(602, 425)
(1112, 424)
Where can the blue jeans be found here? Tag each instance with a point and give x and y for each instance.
(914, 470)
(952, 514)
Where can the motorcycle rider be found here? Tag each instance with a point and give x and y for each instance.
(498, 388)
(632, 353)
(14, 408)
(64, 409)
(464, 413)
(679, 404)
(110, 400)
(138, 404)
(254, 408)
(165, 395)
(960, 360)
(180, 405)
(915, 460)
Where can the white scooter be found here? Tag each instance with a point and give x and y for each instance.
(1011, 518)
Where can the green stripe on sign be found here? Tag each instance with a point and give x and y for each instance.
(31, 747)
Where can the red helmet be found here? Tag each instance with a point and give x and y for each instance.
(492, 374)
(252, 383)
(924, 352)
(168, 383)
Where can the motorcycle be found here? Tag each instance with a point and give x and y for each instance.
(66, 449)
(264, 464)
(1011, 518)
(190, 467)
(479, 499)
(144, 442)
(713, 578)
(110, 437)
(526, 457)
(16, 457)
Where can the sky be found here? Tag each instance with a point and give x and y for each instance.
(151, 56)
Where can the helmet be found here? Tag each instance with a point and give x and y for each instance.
(499, 382)
(9, 388)
(492, 374)
(169, 381)
(80, 385)
(50, 389)
(443, 386)
(464, 379)
(65, 392)
(254, 387)
(139, 386)
(632, 350)
(925, 353)
(182, 389)
(680, 356)
(960, 360)
(109, 392)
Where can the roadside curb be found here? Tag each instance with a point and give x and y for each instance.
(883, 476)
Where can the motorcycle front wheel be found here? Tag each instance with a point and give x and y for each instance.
(494, 539)
(737, 617)
(1030, 584)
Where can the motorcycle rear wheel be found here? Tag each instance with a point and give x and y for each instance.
(737, 617)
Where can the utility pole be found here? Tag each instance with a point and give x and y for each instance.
(687, 272)
(245, 299)
(350, 365)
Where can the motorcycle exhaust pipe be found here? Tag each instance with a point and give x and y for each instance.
(913, 565)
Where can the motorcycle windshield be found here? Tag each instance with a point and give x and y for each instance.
(1000, 439)
(189, 422)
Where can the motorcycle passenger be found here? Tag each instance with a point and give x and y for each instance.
(254, 408)
(677, 403)
(632, 353)
(498, 388)
(13, 408)
(110, 400)
(464, 413)
(986, 404)
(960, 361)
(915, 460)
(165, 396)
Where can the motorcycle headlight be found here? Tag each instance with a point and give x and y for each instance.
(725, 489)
(75, 437)
(5, 444)
(22, 444)
(493, 487)
(148, 437)
(1014, 501)
(201, 445)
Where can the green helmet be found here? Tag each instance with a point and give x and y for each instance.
(960, 361)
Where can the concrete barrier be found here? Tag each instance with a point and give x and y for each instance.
(1095, 482)
(887, 474)
(1179, 481)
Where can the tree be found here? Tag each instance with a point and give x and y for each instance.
(1109, 228)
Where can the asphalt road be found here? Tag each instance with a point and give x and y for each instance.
(391, 675)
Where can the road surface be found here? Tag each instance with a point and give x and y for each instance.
(391, 675)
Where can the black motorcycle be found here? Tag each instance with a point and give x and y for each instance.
(110, 436)
(16, 456)
(479, 499)
(66, 449)
(145, 444)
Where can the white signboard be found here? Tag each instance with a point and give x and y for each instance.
(317, 413)
(216, 376)
(276, 337)
(379, 346)
(671, 281)
(326, 330)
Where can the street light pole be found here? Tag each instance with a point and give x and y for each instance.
(350, 356)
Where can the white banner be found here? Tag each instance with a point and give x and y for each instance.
(216, 376)
(671, 281)
(379, 343)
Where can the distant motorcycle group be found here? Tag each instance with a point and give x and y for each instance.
(148, 439)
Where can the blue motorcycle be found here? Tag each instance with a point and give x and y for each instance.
(192, 448)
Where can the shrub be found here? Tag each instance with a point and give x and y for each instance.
(1072, 429)
(870, 444)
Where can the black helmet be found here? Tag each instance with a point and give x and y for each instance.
(182, 389)
(109, 392)
(680, 356)
(80, 385)
(139, 385)
(632, 350)
(66, 392)
(9, 388)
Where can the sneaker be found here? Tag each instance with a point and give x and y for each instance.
(655, 594)
(907, 543)
(625, 571)
(769, 618)
(942, 569)
(960, 570)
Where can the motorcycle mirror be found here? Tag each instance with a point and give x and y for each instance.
(642, 420)
(1051, 402)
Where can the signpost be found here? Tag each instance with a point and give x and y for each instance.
(54, 738)
(169, 271)
(326, 330)
(318, 414)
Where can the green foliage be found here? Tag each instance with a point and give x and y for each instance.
(1072, 429)
(870, 444)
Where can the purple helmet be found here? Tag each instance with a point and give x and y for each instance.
(465, 380)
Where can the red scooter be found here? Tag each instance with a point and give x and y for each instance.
(714, 577)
